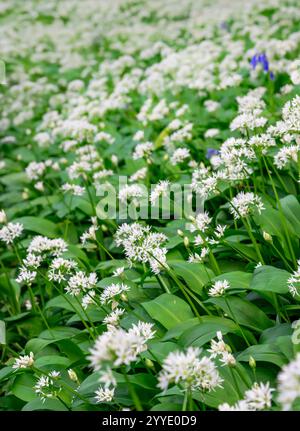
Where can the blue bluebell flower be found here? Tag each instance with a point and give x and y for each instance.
(211, 152)
(263, 61)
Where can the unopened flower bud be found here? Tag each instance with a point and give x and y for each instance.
(124, 297)
(72, 375)
(252, 362)
(186, 241)
(267, 236)
(25, 194)
(179, 232)
(149, 363)
(114, 160)
(3, 218)
(104, 228)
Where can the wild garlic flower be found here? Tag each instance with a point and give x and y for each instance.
(41, 244)
(113, 318)
(219, 288)
(118, 347)
(79, 282)
(262, 142)
(143, 150)
(142, 245)
(291, 114)
(112, 293)
(26, 276)
(240, 406)
(219, 231)
(32, 260)
(221, 350)
(294, 281)
(259, 397)
(206, 183)
(89, 234)
(10, 232)
(138, 175)
(289, 384)
(88, 299)
(201, 222)
(75, 189)
(129, 192)
(107, 377)
(60, 269)
(211, 133)
(286, 155)
(26, 361)
(119, 272)
(46, 387)
(179, 155)
(160, 189)
(244, 204)
(247, 121)
(104, 395)
(211, 105)
(188, 370)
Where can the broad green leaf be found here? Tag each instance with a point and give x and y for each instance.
(178, 330)
(244, 312)
(270, 279)
(291, 209)
(23, 387)
(263, 352)
(207, 329)
(159, 351)
(195, 275)
(49, 404)
(169, 310)
(236, 279)
(39, 225)
(52, 361)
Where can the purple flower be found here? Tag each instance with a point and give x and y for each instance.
(211, 152)
(263, 61)
(272, 76)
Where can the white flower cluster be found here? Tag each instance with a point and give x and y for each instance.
(25, 361)
(289, 383)
(188, 370)
(259, 397)
(117, 346)
(221, 350)
(244, 204)
(294, 281)
(10, 232)
(141, 245)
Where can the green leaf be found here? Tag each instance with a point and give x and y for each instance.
(270, 279)
(207, 329)
(291, 209)
(244, 312)
(178, 330)
(49, 404)
(23, 387)
(169, 310)
(263, 352)
(271, 222)
(195, 275)
(159, 351)
(236, 279)
(52, 361)
(39, 225)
